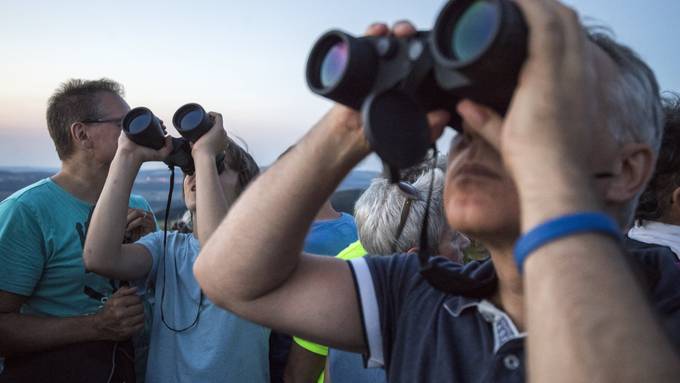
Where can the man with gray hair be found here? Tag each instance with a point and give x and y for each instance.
(59, 323)
(548, 189)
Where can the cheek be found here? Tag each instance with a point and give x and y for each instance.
(481, 205)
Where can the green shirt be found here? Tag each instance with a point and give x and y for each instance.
(42, 233)
(354, 250)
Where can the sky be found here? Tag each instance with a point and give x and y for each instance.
(244, 59)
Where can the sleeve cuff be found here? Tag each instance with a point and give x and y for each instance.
(370, 315)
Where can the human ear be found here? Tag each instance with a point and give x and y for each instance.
(637, 166)
(79, 135)
(674, 208)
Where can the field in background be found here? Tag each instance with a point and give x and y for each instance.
(154, 185)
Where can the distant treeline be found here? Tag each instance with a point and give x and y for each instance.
(153, 185)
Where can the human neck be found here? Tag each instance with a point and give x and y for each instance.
(510, 294)
(327, 212)
(84, 182)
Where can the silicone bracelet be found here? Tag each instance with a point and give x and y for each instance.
(563, 226)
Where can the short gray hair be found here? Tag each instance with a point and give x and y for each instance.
(378, 212)
(636, 112)
(75, 100)
(634, 105)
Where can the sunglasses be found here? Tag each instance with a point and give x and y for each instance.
(410, 193)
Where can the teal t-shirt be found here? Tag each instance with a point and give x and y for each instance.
(42, 233)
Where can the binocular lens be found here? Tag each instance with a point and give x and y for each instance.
(139, 123)
(191, 120)
(334, 64)
(474, 30)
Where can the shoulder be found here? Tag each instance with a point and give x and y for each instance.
(659, 272)
(25, 202)
(29, 194)
(175, 239)
(410, 263)
(137, 201)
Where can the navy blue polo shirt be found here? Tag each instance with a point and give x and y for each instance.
(420, 334)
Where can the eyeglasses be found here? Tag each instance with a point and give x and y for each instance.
(411, 193)
(118, 121)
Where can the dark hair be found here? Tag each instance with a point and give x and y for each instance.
(75, 100)
(239, 160)
(656, 199)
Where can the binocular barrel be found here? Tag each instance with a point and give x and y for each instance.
(475, 50)
(190, 120)
(143, 128)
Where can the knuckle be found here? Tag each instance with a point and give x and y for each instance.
(571, 15)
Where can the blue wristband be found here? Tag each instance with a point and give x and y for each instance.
(561, 227)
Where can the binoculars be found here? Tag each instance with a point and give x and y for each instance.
(475, 50)
(143, 128)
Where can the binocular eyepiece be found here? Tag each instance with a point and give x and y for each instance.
(475, 51)
(191, 121)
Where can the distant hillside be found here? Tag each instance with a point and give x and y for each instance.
(153, 185)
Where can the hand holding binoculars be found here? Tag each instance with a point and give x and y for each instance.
(475, 50)
(143, 128)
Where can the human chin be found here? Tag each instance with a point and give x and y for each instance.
(479, 210)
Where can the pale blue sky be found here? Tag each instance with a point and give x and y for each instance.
(244, 59)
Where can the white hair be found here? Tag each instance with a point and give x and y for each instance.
(379, 209)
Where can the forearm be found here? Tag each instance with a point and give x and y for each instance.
(21, 333)
(588, 319)
(102, 252)
(267, 225)
(211, 205)
(586, 314)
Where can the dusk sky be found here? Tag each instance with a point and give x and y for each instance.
(244, 59)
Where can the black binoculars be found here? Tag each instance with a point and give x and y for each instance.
(143, 128)
(475, 50)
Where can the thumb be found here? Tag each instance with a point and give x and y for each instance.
(482, 121)
(437, 120)
(124, 290)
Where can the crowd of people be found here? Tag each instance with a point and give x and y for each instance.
(574, 194)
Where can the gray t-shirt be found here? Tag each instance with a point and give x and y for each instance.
(221, 347)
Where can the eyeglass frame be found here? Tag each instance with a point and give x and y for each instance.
(410, 193)
(117, 120)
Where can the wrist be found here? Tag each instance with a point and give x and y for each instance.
(545, 195)
(94, 327)
(128, 157)
(344, 128)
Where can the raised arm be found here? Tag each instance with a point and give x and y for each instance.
(213, 199)
(254, 266)
(104, 252)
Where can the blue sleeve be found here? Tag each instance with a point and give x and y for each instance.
(139, 202)
(22, 249)
(153, 242)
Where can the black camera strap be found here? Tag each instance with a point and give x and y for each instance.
(165, 252)
(441, 278)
